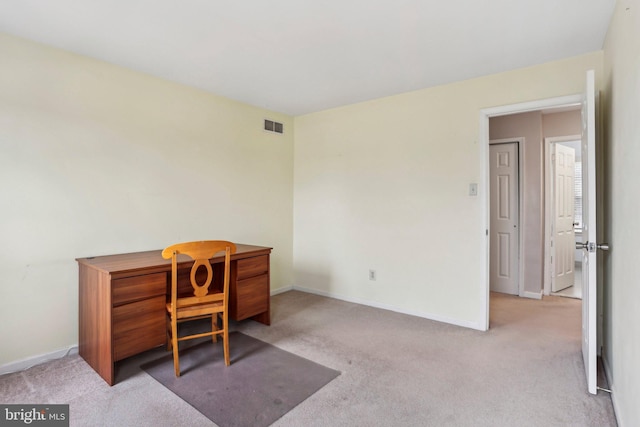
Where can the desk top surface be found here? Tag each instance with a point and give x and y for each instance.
(152, 259)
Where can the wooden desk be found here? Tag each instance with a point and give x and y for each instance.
(122, 300)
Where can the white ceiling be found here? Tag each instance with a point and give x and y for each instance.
(299, 56)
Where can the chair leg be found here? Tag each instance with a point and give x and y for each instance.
(174, 343)
(225, 334)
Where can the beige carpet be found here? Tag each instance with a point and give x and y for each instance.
(397, 370)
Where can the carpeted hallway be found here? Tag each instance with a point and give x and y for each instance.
(396, 370)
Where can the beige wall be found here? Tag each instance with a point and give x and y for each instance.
(384, 185)
(562, 124)
(621, 351)
(96, 159)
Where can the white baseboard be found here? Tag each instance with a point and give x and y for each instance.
(375, 304)
(281, 290)
(532, 295)
(21, 365)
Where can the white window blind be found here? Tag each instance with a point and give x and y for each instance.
(578, 195)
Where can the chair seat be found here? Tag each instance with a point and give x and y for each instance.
(197, 310)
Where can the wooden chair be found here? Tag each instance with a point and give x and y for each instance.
(205, 300)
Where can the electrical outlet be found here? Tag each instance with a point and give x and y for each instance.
(372, 275)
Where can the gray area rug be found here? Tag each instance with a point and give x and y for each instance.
(262, 383)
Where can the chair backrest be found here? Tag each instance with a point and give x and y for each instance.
(201, 252)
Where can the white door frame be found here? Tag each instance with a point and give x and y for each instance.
(520, 144)
(485, 114)
(548, 203)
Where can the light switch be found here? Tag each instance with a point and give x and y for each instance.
(473, 189)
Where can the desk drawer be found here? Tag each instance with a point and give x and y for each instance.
(254, 266)
(139, 326)
(139, 287)
(252, 297)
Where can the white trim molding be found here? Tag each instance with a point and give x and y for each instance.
(429, 316)
(30, 362)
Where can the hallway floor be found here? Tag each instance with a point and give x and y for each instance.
(574, 291)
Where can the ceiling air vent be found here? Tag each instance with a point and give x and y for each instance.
(271, 126)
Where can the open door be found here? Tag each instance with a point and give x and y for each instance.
(589, 253)
(563, 248)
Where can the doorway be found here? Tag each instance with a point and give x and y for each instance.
(531, 129)
(528, 216)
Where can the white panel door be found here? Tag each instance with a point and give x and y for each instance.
(504, 239)
(589, 264)
(563, 244)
